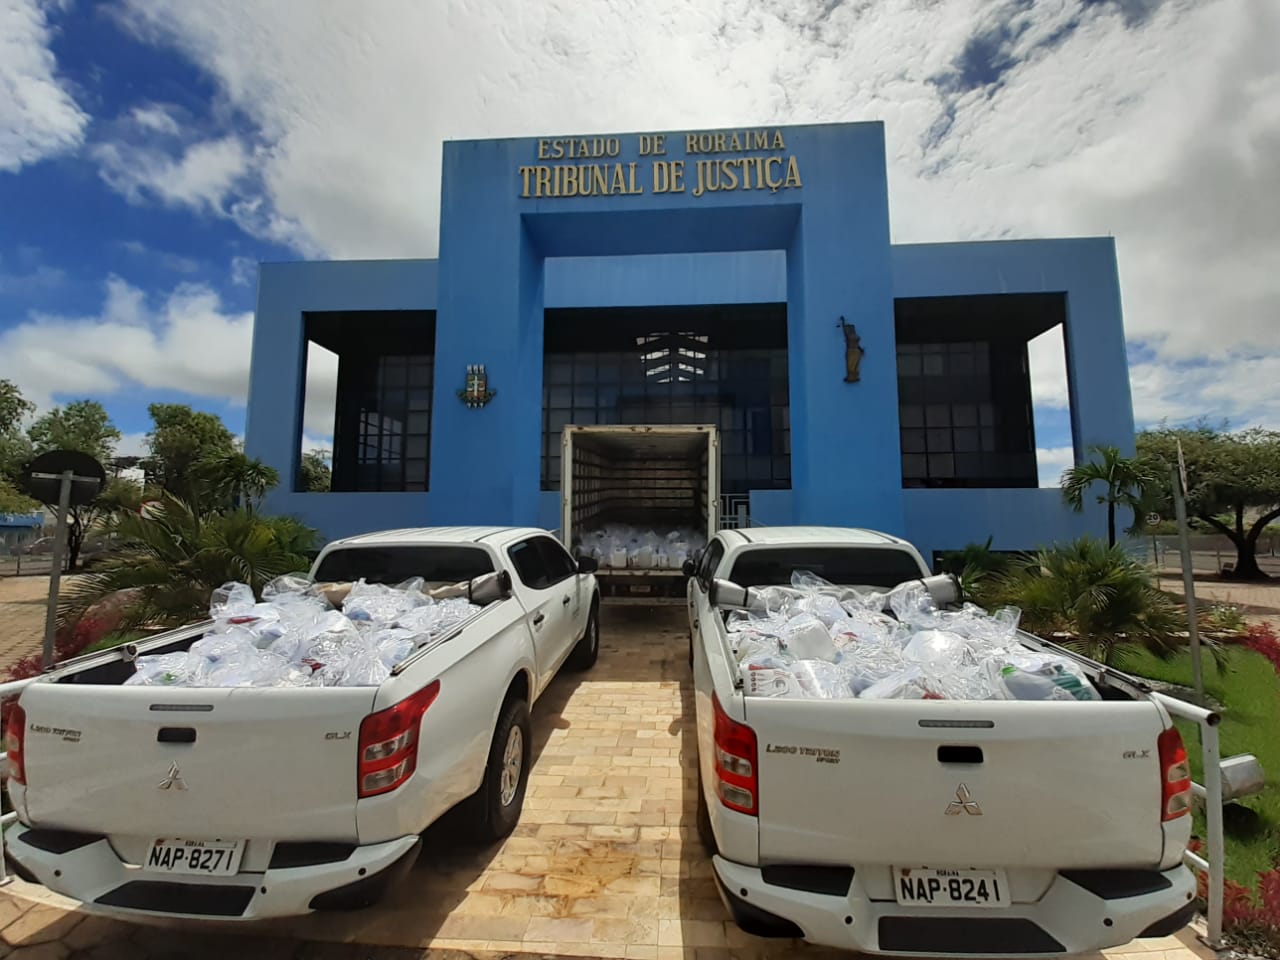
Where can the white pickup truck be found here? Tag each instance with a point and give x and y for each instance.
(250, 802)
(928, 826)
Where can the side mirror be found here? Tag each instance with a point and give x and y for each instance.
(725, 593)
(587, 565)
(689, 568)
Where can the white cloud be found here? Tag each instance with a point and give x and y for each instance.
(38, 116)
(1047, 359)
(157, 118)
(170, 261)
(132, 445)
(1156, 122)
(28, 279)
(1051, 461)
(244, 271)
(201, 178)
(185, 342)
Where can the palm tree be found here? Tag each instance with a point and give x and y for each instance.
(1128, 481)
(1103, 598)
(172, 559)
(236, 479)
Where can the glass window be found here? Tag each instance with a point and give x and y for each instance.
(434, 564)
(559, 564)
(531, 566)
(845, 566)
(709, 562)
(713, 369)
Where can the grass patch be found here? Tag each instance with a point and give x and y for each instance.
(1250, 690)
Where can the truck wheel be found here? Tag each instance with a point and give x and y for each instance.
(507, 774)
(586, 652)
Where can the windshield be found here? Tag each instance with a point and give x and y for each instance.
(434, 564)
(845, 566)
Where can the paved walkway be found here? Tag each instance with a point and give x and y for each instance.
(604, 862)
(1260, 600)
(22, 608)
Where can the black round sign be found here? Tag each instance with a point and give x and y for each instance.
(43, 477)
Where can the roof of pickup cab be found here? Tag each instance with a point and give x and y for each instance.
(797, 535)
(497, 536)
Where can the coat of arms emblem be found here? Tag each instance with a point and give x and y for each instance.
(476, 393)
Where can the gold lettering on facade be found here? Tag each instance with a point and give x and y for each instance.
(712, 173)
(793, 173)
(599, 180)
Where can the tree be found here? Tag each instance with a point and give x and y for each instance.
(12, 500)
(83, 426)
(15, 449)
(171, 561)
(180, 439)
(233, 479)
(1229, 475)
(13, 406)
(314, 475)
(1127, 481)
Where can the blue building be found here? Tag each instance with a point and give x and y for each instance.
(738, 277)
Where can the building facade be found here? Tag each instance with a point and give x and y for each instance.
(743, 278)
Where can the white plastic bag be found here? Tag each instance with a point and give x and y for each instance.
(1039, 676)
(170, 670)
(908, 684)
(806, 638)
(938, 651)
(822, 680)
(230, 600)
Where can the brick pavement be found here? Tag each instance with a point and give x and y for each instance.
(604, 862)
(22, 608)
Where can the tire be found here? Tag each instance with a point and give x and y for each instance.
(507, 775)
(587, 651)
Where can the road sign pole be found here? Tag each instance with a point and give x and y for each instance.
(55, 577)
(1189, 584)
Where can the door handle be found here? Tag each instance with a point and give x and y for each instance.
(565, 601)
(537, 621)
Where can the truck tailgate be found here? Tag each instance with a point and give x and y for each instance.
(958, 784)
(239, 762)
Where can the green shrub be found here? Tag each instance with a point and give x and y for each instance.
(1103, 599)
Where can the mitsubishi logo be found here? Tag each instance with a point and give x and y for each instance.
(173, 780)
(963, 803)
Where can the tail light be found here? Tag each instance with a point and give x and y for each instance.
(14, 738)
(389, 743)
(1175, 775)
(735, 762)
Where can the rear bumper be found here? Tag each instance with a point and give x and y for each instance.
(1068, 919)
(92, 873)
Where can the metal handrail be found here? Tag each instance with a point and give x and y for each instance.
(1214, 864)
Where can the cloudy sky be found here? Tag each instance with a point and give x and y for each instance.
(152, 152)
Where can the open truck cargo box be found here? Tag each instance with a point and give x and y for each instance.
(650, 478)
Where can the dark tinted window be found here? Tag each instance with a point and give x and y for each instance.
(531, 566)
(560, 565)
(709, 561)
(847, 566)
(435, 564)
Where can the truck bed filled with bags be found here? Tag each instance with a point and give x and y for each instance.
(814, 640)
